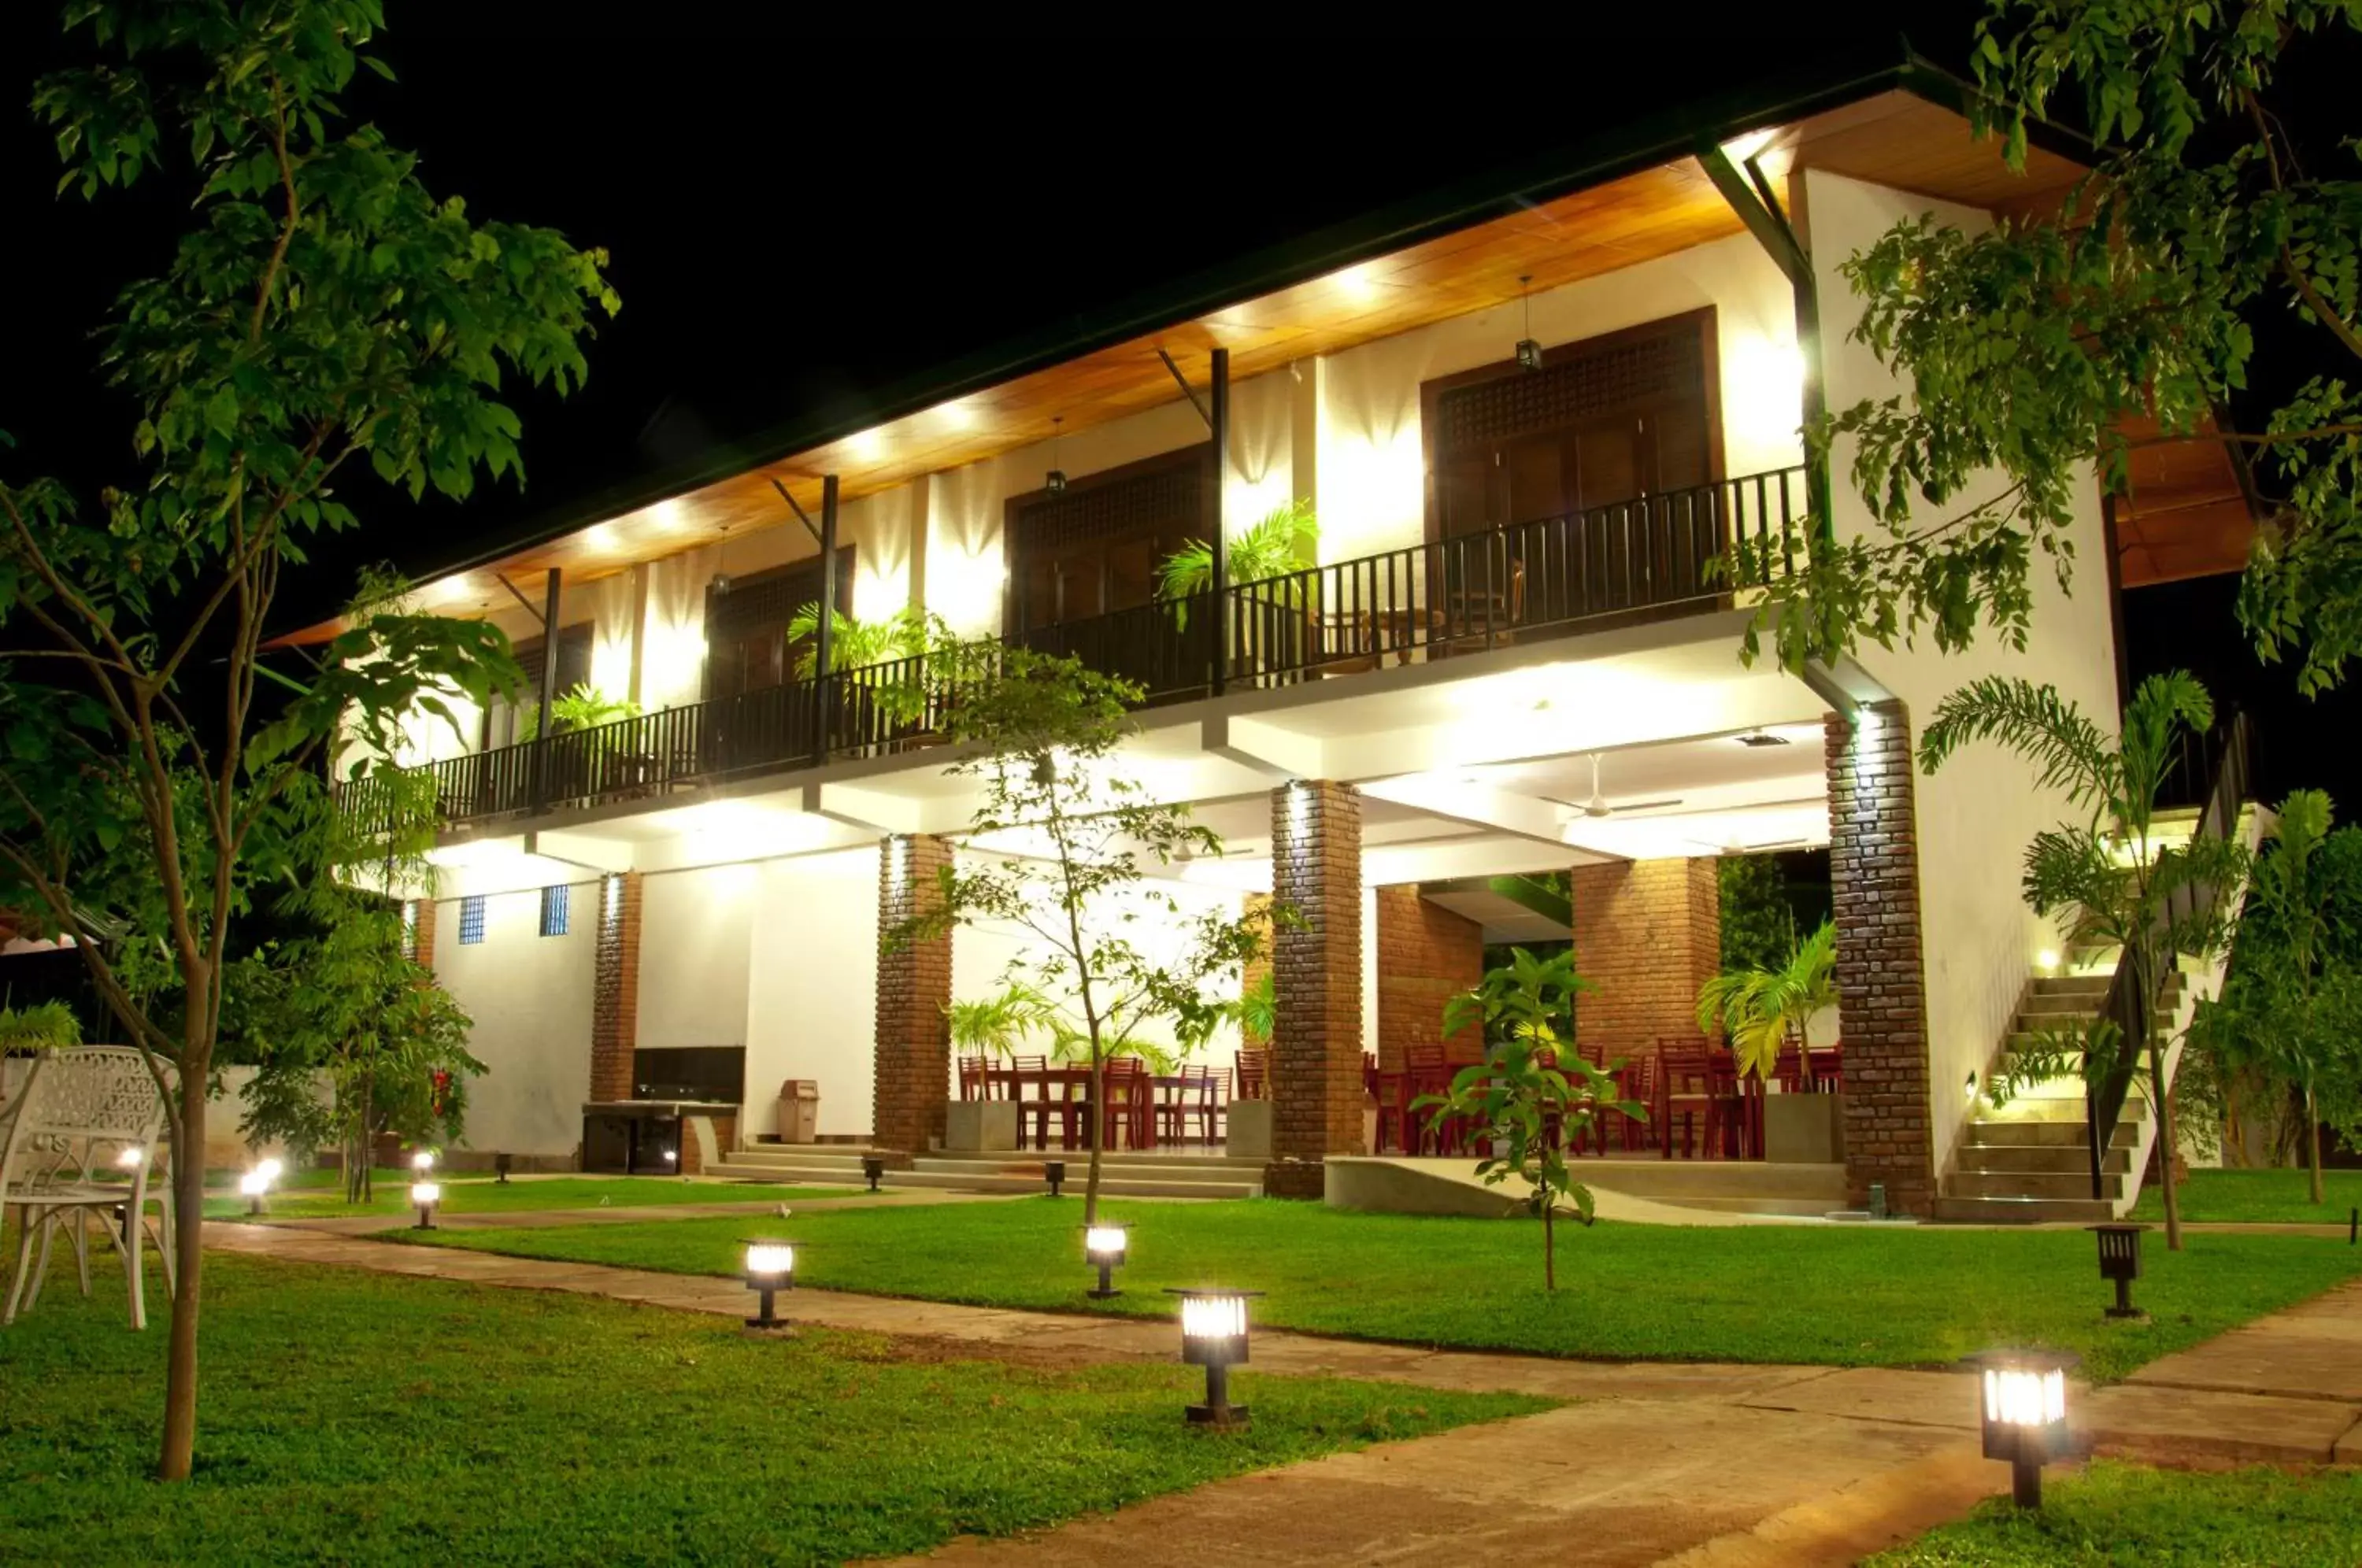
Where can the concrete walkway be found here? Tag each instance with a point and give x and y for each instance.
(1705, 1465)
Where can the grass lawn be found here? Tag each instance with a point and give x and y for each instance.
(1829, 1295)
(473, 1195)
(2254, 1197)
(357, 1418)
(2123, 1514)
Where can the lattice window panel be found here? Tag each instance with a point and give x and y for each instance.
(1630, 375)
(554, 902)
(471, 919)
(573, 659)
(1163, 500)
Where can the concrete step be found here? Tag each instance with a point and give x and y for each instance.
(1029, 1161)
(1116, 1181)
(2044, 1134)
(2029, 1184)
(2000, 1159)
(2022, 1211)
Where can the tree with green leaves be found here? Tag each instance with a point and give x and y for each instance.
(1765, 1010)
(1532, 1094)
(322, 314)
(2291, 1010)
(1058, 850)
(2028, 347)
(2117, 883)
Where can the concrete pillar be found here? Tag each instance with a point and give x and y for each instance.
(1881, 974)
(1426, 956)
(615, 986)
(915, 986)
(1648, 935)
(1316, 1059)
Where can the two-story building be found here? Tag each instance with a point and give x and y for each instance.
(1525, 417)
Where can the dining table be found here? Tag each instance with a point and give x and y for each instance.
(1064, 1091)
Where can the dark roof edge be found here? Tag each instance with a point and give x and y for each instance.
(1640, 144)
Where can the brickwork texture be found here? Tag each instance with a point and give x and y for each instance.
(615, 986)
(1316, 1065)
(1648, 933)
(1882, 986)
(915, 986)
(1426, 953)
(419, 945)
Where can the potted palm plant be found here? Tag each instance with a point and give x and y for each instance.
(1762, 1012)
(993, 1026)
(1269, 552)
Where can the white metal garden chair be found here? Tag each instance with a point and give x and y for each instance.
(78, 1116)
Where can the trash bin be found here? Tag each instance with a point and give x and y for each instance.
(798, 1111)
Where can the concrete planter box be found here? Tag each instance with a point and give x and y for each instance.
(1804, 1128)
(1249, 1132)
(980, 1126)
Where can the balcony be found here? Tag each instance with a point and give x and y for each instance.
(1640, 559)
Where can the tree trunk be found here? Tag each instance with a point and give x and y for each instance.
(1097, 1127)
(188, 1240)
(1550, 1244)
(2165, 1143)
(2313, 1146)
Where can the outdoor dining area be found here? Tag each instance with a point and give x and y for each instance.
(1697, 1103)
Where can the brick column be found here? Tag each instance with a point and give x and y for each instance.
(1648, 935)
(418, 933)
(615, 986)
(915, 986)
(1316, 1058)
(1881, 978)
(1426, 954)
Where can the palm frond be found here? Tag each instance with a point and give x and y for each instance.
(2068, 749)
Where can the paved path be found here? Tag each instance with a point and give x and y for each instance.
(1702, 1465)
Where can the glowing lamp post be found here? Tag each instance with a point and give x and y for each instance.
(422, 1162)
(2120, 1260)
(1214, 1336)
(1103, 1248)
(424, 1196)
(131, 1159)
(874, 1167)
(2024, 1415)
(1055, 1173)
(253, 1185)
(770, 1268)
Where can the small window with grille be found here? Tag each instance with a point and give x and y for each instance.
(471, 919)
(553, 910)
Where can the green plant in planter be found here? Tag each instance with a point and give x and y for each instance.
(996, 1025)
(39, 1026)
(1256, 1012)
(584, 707)
(1532, 1094)
(853, 644)
(1274, 546)
(1764, 1011)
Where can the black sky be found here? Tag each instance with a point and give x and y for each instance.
(794, 218)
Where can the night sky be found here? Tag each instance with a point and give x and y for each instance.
(794, 218)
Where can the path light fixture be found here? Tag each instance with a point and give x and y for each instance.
(1214, 1336)
(422, 1162)
(425, 1196)
(770, 1268)
(2024, 1414)
(254, 1183)
(131, 1159)
(271, 1171)
(1103, 1248)
(874, 1167)
(2120, 1260)
(501, 1165)
(1055, 1173)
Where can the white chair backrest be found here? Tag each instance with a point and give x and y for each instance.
(101, 1092)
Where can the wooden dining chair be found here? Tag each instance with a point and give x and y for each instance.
(1695, 1090)
(1254, 1074)
(1393, 1127)
(1129, 1110)
(971, 1078)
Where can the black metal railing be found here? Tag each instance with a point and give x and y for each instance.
(2224, 759)
(1638, 558)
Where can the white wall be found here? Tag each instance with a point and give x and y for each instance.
(695, 929)
(812, 987)
(1371, 461)
(530, 998)
(1978, 814)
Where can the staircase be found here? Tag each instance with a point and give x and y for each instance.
(2031, 1160)
(1125, 1173)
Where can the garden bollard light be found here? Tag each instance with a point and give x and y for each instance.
(2120, 1260)
(874, 1167)
(770, 1268)
(425, 1196)
(2024, 1415)
(1104, 1247)
(1055, 1173)
(1214, 1336)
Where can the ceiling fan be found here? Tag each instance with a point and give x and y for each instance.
(1734, 847)
(1598, 806)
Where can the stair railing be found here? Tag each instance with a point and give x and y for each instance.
(2130, 1005)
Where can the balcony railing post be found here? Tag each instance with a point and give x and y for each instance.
(823, 671)
(1218, 415)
